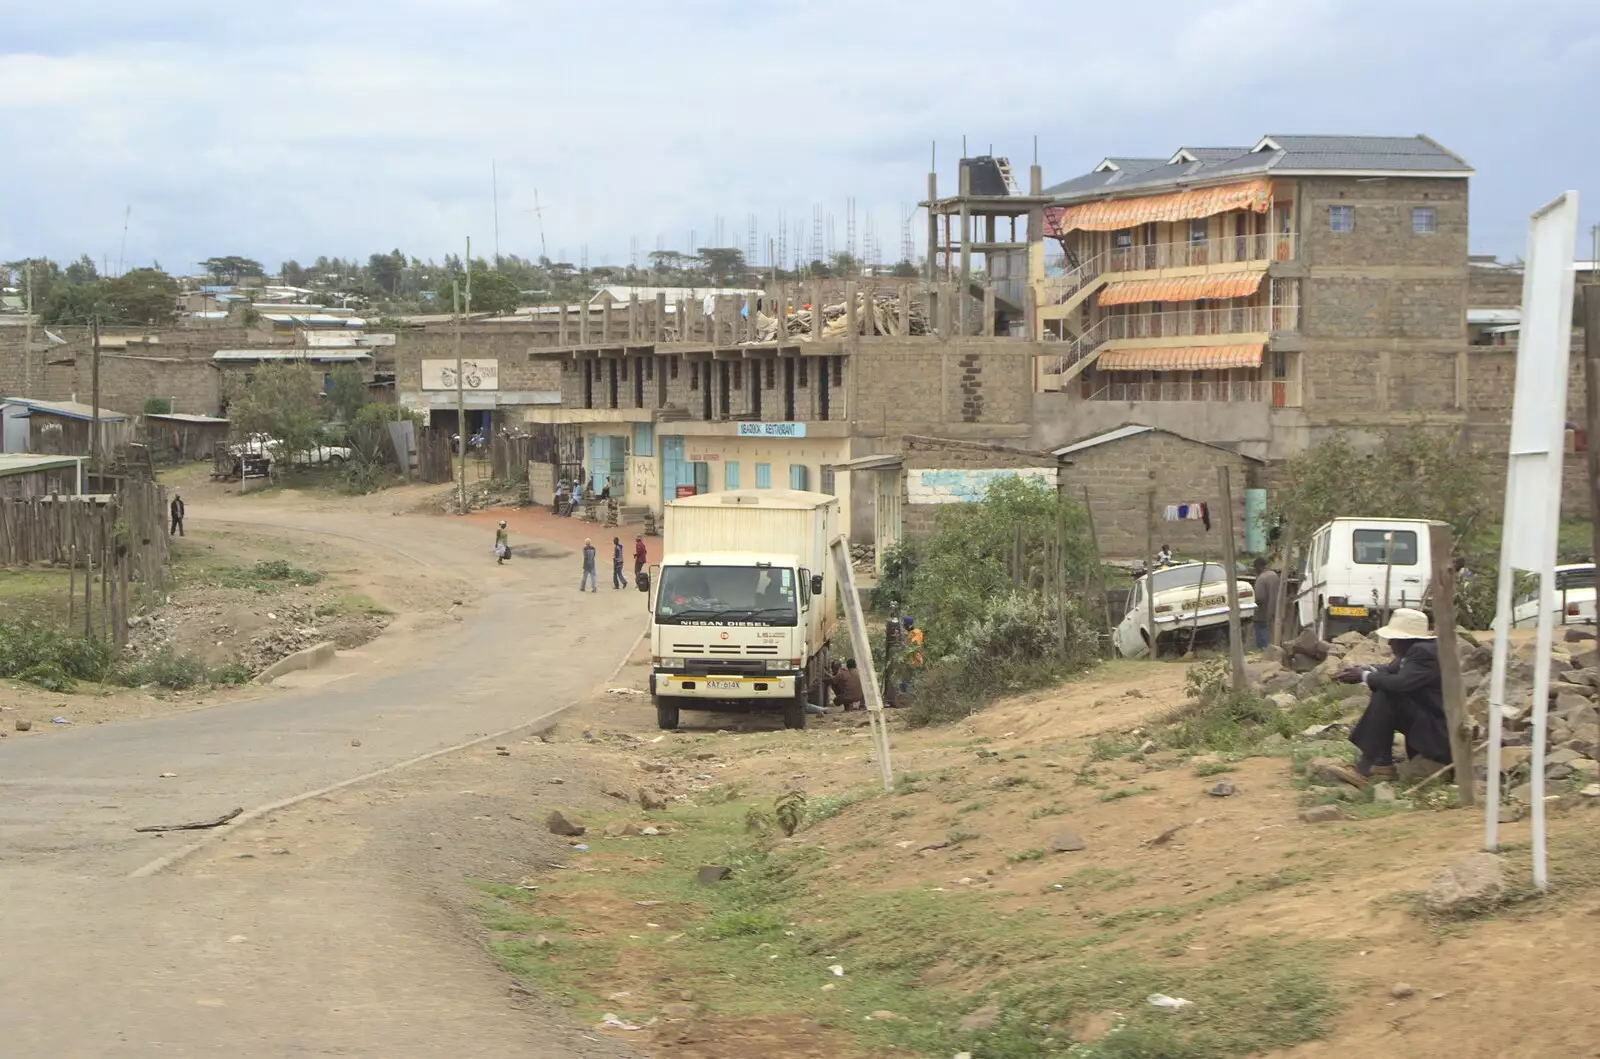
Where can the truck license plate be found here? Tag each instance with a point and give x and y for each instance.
(1348, 612)
(724, 685)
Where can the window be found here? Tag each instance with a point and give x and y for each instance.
(1424, 220)
(1341, 218)
(1371, 547)
(763, 476)
(644, 439)
(828, 482)
(730, 475)
(799, 476)
(772, 373)
(1197, 230)
(1122, 240)
(804, 366)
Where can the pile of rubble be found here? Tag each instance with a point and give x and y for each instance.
(1308, 666)
(863, 558)
(877, 313)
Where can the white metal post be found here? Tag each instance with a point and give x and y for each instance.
(863, 647)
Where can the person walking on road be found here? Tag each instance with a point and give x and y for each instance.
(618, 580)
(640, 556)
(588, 567)
(502, 544)
(177, 516)
(1266, 589)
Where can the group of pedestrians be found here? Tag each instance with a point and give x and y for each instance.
(619, 579)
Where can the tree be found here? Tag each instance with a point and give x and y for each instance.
(82, 272)
(724, 265)
(68, 304)
(231, 269)
(294, 274)
(491, 292)
(144, 296)
(386, 271)
(278, 401)
(347, 393)
(905, 269)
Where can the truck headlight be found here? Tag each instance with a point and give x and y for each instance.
(777, 664)
(671, 663)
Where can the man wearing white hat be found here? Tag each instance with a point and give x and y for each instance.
(1406, 698)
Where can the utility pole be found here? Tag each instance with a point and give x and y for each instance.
(494, 177)
(461, 407)
(94, 385)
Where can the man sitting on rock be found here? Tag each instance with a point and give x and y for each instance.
(1406, 697)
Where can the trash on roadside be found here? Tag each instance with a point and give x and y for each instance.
(59, 720)
(623, 691)
(838, 970)
(582, 847)
(1169, 1003)
(611, 1022)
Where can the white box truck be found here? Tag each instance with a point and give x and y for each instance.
(743, 603)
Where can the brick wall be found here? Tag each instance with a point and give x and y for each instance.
(978, 388)
(1382, 233)
(1120, 474)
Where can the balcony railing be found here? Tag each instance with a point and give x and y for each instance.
(1193, 253)
(1282, 393)
(1224, 320)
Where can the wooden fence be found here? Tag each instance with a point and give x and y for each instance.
(117, 542)
(509, 456)
(434, 457)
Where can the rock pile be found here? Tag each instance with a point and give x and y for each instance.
(1307, 667)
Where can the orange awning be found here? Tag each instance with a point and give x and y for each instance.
(1115, 214)
(1185, 289)
(1188, 358)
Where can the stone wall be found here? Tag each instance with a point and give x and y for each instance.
(1120, 474)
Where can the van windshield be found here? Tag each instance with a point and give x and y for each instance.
(1371, 547)
(726, 595)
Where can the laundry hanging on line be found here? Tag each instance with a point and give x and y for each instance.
(1190, 512)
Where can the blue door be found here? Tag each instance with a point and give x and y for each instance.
(675, 470)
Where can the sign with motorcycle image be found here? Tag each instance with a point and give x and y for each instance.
(475, 374)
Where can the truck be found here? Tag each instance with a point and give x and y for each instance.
(1349, 575)
(743, 603)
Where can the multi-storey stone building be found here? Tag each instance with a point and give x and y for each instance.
(1257, 296)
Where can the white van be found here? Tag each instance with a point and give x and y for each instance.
(1573, 599)
(1342, 574)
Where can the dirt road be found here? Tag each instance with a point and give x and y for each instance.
(102, 962)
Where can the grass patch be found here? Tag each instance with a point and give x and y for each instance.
(1218, 720)
(761, 943)
(1126, 792)
(1214, 768)
(355, 603)
(268, 575)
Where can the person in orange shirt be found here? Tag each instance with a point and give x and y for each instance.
(913, 643)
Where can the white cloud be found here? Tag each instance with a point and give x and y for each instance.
(301, 128)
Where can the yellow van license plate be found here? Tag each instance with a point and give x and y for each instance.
(1348, 612)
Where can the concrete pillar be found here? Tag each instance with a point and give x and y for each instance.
(583, 323)
(752, 317)
(851, 320)
(561, 325)
(933, 224)
(903, 325)
(633, 316)
(659, 331)
(781, 311)
(605, 322)
(1036, 179)
(966, 252)
(816, 310)
(988, 309)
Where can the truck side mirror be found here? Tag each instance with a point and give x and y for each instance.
(816, 584)
(643, 581)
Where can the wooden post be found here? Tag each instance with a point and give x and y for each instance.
(1444, 626)
(1280, 632)
(1099, 570)
(1388, 573)
(857, 622)
(95, 455)
(1591, 359)
(1150, 570)
(1230, 564)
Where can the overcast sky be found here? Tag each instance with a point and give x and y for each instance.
(292, 129)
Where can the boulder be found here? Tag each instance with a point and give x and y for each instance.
(1369, 653)
(1561, 756)
(559, 823)
(1557, 772)
(1223, 789)
(1585, 739)
(651, 801)
(1350, 639)
(1322, 814)
(1284, 701)
(1585, 769)
(1472, 884)
(713, 873)
(1567, 702)
(1068, 842)
(1308, 646)
(1384, 793)
(1514, 757)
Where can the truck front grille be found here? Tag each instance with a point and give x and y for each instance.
(724, 650)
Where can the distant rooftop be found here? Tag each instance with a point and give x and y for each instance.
(65, 409)
(1271, 156)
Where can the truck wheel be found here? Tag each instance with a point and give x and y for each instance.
(794, 711)
(666, 714)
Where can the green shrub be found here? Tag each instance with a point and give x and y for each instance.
(54, 659)
(280, 570)
(232, 673)
(166, 668)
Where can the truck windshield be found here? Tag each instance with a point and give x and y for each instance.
(726, 595)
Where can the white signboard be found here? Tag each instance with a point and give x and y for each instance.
(1533, 488)
(772, 430)
(475, 375)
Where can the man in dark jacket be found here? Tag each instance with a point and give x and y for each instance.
(1406, 697)
(177, 512)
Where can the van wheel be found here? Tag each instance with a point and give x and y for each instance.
(794, 711)
(666, 714)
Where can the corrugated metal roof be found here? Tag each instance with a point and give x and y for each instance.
(66, 409)
(1279, 155)
(314, 356)
(184, 417)
(25, 462)
(1129, 431)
